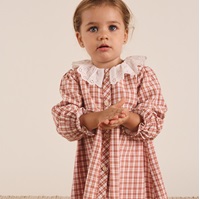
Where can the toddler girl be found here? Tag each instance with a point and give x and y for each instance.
(113, 108)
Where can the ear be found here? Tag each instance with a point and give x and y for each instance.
(125, 35)
(79, 39)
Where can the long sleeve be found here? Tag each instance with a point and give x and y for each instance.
(150, 105)
(66, 114)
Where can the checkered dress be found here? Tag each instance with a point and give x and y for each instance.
(117, 163)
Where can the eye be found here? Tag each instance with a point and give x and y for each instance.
(93, 29)
(112, 27)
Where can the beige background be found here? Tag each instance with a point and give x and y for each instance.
(37, 46)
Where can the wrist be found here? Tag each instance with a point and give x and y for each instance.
(90, 120)
(133, 121)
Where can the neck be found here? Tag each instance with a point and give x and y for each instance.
(109, 64)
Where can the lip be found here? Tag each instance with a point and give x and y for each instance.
(103, 47)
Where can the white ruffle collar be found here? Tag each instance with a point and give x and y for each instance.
(95, 76)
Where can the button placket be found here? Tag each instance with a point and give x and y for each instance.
(104, 171)
(106, 89)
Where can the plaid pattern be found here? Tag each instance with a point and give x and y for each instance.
(130, 169)
(104, 171)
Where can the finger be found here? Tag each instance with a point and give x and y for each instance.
(113, 122)
(105, 122)
(115, 117)
(122, 116)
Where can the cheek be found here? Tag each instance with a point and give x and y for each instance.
(88, 39)
(122, 37)
(120, 41)
(89, 44)
(89, 47)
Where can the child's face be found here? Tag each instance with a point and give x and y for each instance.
(103, 34)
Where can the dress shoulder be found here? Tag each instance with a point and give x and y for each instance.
(146, 72)
(71, 74)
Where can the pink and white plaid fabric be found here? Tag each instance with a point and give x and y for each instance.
(131, 170)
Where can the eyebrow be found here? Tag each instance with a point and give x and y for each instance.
(109, 22)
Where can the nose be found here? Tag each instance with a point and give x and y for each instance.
(103, 35)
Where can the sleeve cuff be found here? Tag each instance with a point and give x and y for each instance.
(80, 128)
(147, 129)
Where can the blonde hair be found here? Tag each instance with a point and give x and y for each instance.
(86, 4)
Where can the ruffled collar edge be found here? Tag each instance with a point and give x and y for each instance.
(94, 75)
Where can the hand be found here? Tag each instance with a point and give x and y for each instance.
(114, 116)
(118, 120)
(92, 120)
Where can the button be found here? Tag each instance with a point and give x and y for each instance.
(106, 103)
(104, 168)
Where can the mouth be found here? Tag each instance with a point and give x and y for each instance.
(103, 47)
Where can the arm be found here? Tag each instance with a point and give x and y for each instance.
(151, 106)
(145, 121)
(90, 120)
(132, 122)
(66, 114)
